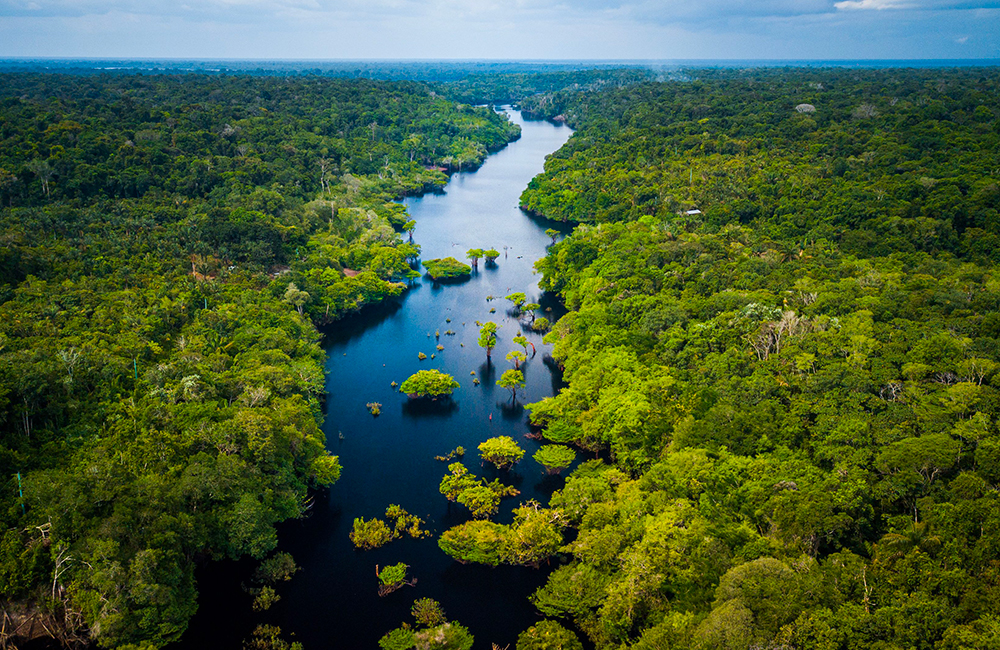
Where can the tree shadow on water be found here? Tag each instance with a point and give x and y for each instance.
(487, 373)
(423, 408)
(510, 410)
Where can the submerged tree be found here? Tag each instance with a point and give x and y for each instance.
(429, 383)
(523, 341)
(488, 337)
(474, 254)
(371, 534)
(534, 537)
(517, 357)
(473, 492)
(491, 255)
(392, 577)
(502, 451)
(446, 268)
(518, 299)
(512, 380)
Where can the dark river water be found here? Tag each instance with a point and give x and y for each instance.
(333, 602)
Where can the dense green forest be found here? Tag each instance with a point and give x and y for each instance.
(783, 346)
(168, 244)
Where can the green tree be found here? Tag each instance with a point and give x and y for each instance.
(502, 451)
(475, 254)
(446, 268)
(457, 481)
(548, 635)
(428, 383)
(479, 542)
(523, 341)
(517, 299)
(517, 357)
(295, 297)
(512, 380)
(488, 337)
(554, 458)
(428, 612)
(371, 534)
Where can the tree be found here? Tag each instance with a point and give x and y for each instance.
(371, 534)
(530, 309)
(446, 268)
(535, 535)
(457, 481)
(548, 635)
(488, 337)
(540, 325)
(523, 341)
(553, 233)
(518, 300)
(296, 298)
(428, 612)
(392, 578)
(491, 255)
(482, 501)
(474, 541)
(409, 227)
(555, 458)
(512, 380)
(502, 451)
(428, 383)
(474, 254)
(43, 171)
(517, 357)
(447, 636)
(480, 497)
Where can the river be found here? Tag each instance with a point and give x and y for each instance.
(332, 602)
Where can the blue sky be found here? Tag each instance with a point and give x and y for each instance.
(502, 29)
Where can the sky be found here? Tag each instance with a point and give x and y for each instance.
(502, 29)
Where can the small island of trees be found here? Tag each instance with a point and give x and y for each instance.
(446, 268)
(429, 383)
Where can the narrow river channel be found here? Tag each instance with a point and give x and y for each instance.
(332, 602)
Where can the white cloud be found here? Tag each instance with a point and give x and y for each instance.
(501, 29)
(878, 5)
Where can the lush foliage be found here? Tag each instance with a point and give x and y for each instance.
(512, 380)
(446, 268)
(534, 537)
(166, 241)
(428, 383)
(554, 458)
(502, 451)
(473, 492)
(488, 337)
(433, 631)
(797, 387)
(548, 635)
